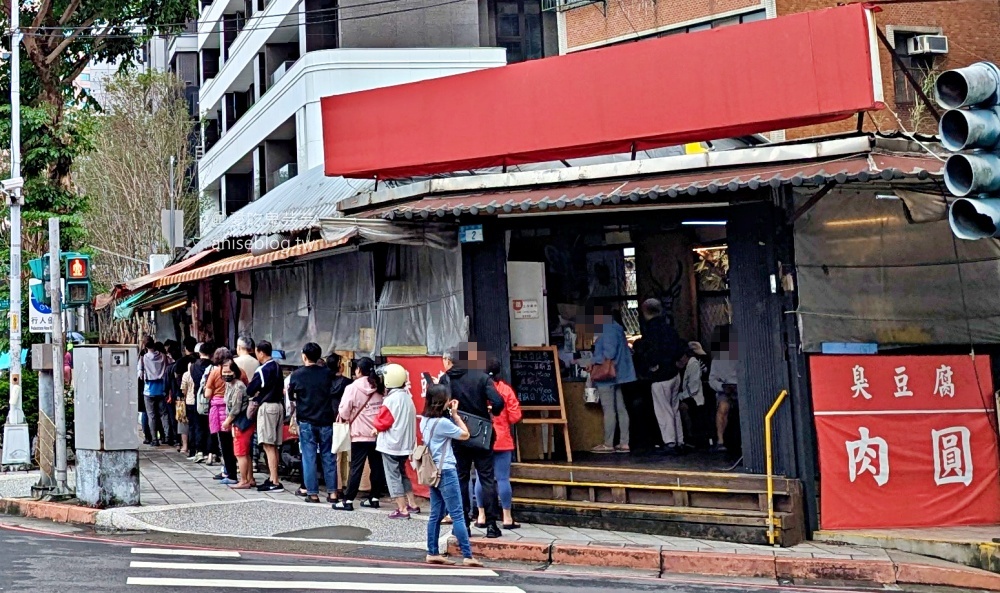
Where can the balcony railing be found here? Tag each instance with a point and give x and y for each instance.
(281, 70)
(283, 174)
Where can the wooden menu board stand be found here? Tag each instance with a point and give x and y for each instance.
(537, 381)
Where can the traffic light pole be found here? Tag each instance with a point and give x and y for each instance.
(58, 387)
(17, 446)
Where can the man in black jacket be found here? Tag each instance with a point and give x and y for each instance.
(663, 349)
(310, 389)
(469, 383)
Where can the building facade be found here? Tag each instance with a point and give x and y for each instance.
(586, 25)
(262, 69)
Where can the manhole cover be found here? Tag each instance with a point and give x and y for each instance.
(345, 532)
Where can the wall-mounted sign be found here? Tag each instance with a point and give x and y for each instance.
(472, 233)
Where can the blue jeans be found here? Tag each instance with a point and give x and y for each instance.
(501, 471)
(446, 499)
(311, 436)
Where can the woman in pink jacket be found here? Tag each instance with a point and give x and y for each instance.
(359, 407)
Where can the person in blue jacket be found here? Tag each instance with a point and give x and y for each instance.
(612, 345)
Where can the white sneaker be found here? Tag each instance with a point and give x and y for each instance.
(198, 458)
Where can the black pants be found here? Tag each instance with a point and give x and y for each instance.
(205, 439)
(171, 427)
(156, 412)
(194, 431)
(467, 457)
(361, 452)
(228, 453)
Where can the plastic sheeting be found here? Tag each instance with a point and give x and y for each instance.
(425, 306)
(885, 271)
(326, 301)
(330, 300)
(375, 230)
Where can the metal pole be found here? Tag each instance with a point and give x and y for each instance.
(172, 206)
(16, 445)
(57, 357)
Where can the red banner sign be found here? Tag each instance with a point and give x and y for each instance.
(418, 370)
(906, 441)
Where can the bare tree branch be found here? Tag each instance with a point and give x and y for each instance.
(69, 12)
(54, 54)
(43, 11)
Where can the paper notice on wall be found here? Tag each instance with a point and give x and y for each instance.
(525, 309)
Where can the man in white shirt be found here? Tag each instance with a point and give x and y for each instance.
(245, 358)
(722, 379)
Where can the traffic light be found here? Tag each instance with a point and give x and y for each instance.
(40, 268)
(972, 124)
(76, 269)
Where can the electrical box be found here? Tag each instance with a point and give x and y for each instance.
(106, 397)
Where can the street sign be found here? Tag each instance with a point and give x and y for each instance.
(472, 233)
(39, 314)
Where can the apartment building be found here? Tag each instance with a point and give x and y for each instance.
(924, 38)
(263, 66)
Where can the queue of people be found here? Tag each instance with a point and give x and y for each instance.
(678, 373)
(217, 407)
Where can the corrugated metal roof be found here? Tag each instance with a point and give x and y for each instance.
(617, 192)
(246, 261)
(293, 206)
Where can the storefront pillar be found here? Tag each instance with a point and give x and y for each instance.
(484, 278)
(758, 309)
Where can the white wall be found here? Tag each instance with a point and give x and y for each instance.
(332, 72)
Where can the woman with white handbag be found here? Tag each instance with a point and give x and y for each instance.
(360, 406)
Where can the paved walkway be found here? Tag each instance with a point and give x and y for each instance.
(168, 478)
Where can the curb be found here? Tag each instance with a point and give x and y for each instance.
(54, 511)
(799, 569)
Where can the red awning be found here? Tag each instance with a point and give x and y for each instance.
(247, 261)
(150, 279)
(787, 72)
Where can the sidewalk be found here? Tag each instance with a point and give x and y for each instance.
(180, 497)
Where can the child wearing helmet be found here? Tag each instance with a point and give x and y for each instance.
(396, 431)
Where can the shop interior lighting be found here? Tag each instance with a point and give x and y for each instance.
(858, 221)
(715, 248)
(704, 223)
(176, 305)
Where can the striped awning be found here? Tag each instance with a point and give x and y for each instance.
(247, 261)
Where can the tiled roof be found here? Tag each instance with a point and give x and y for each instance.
(675, 186)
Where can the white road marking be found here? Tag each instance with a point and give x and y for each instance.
(178, 552)
(331, 569)
(321, 586)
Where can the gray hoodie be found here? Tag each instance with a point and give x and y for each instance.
(154, 366)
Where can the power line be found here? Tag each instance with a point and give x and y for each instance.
(259, 19)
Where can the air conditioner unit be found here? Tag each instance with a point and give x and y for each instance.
(927, 44)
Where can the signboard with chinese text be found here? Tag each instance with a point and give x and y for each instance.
(905, 441)
(421, 371)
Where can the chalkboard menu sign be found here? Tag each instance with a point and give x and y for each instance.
(535, 376)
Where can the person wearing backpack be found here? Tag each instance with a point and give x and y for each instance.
(442, 425)
(198, 419)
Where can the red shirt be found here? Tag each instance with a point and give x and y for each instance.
(510, 415)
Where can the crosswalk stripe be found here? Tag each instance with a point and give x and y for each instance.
(322, 586)
(178, 552)
(388, 571)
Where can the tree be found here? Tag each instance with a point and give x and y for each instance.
(127, 176)
(60, 37)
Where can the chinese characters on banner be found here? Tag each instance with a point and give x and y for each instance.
(905, 441)
(418, 369)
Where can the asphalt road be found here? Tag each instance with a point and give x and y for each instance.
(36, 562)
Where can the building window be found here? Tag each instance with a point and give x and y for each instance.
(749, 17)
(519, 29)
(85, 77)
(919, 66)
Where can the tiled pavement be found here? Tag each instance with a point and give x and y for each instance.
(168, 478)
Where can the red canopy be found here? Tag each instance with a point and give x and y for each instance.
(787, 72)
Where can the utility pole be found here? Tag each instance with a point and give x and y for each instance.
(17, 448)
(173, 205)
(58, 387)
